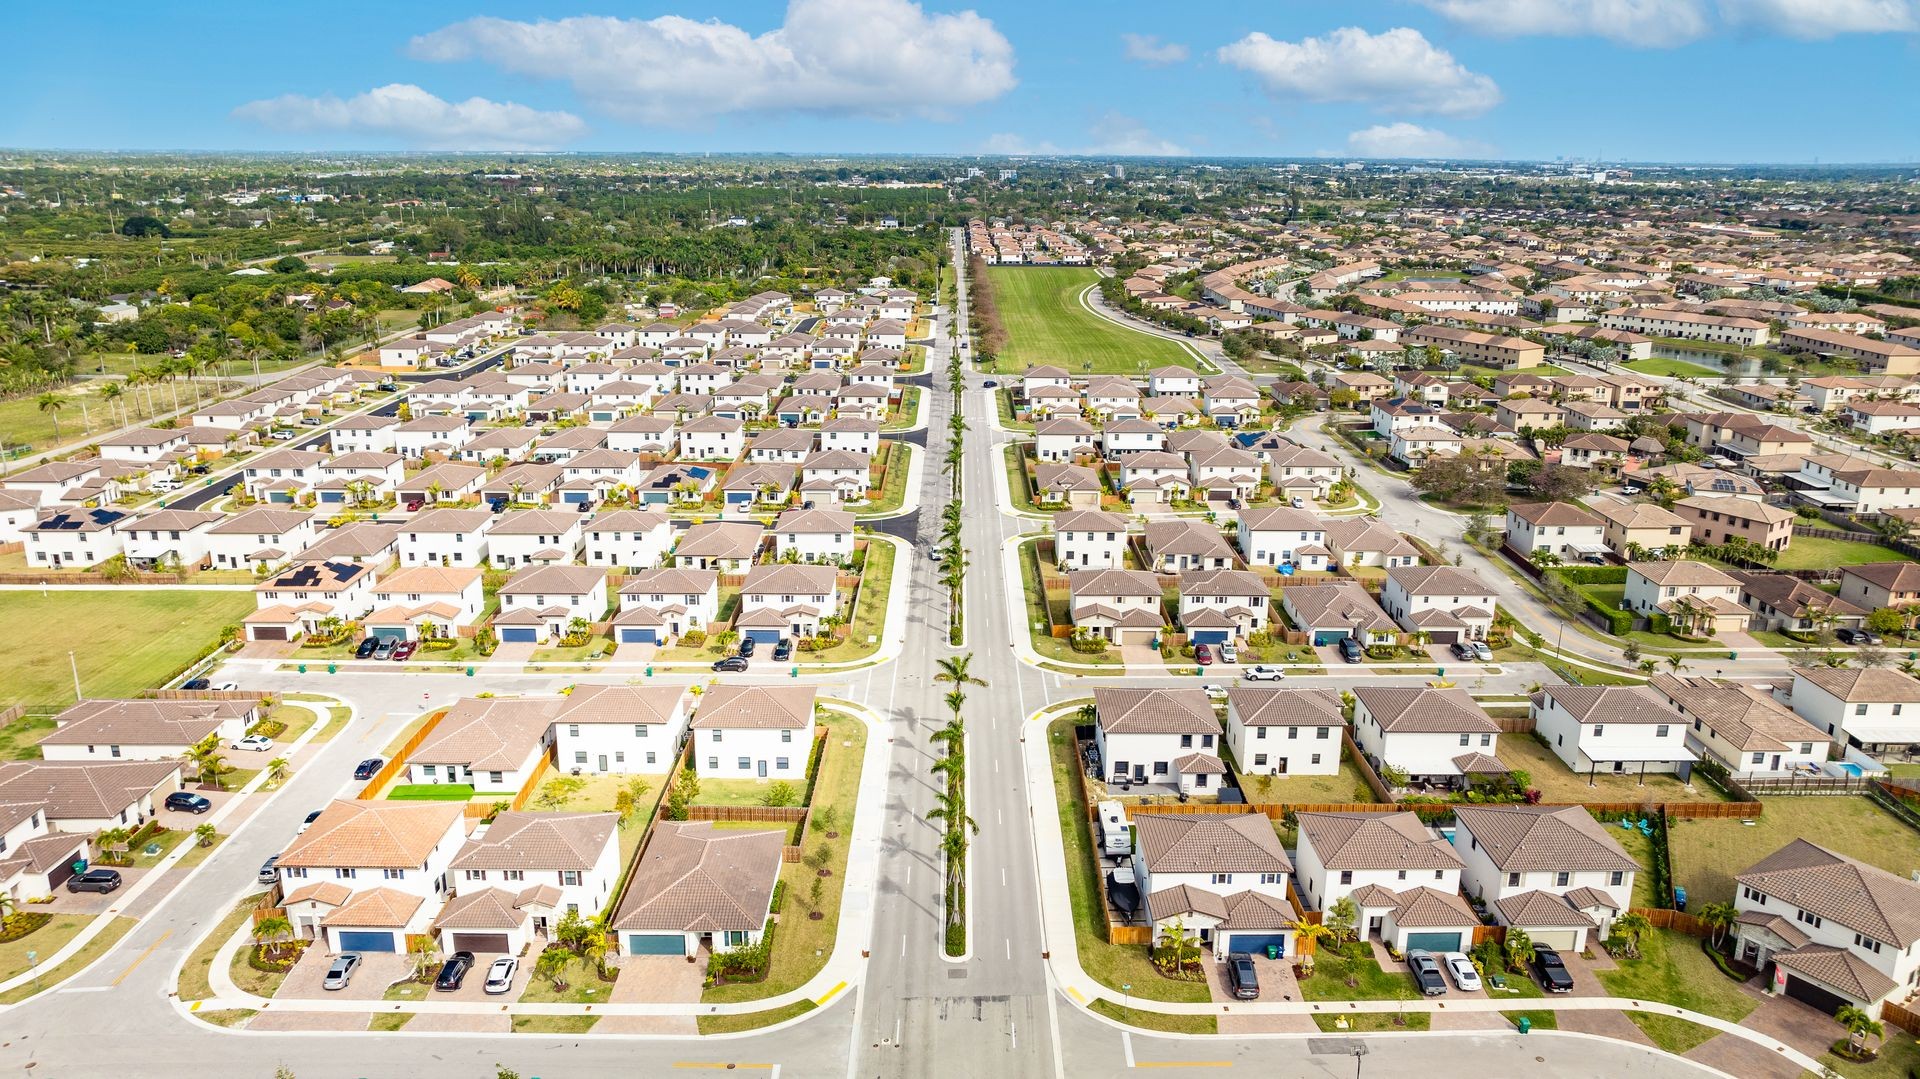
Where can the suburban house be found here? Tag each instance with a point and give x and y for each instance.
(1447, 603)
(1437, 737)
(1623, 730)
(407, 601)
(658, 605)
(1280, 536)
(1560, 529)
(698, 888)
(1167, 737)
(1221, 879)
(754, 732)
(1089, 539)
(787, 600)
(1699, 599)
(369, 873)
(447, 537)
(539, 602)
(1881, 584)
(632, 540)
(1742, 727)
(814, 535)
(619, 730)
(1638, 530)
(1121, 605)
(1337, 609)
(1403, 878)
(1219, 605)
(722, 546)
(1180, 545)
(142, 730)
(1864, 708)
(298, 599)
(86, 796)
(1552, 871)
(493, 744)
(1283, 732)
(1064, 439)
(1716, 519)
(1369, 541)
(518, 876)
(1827, 930)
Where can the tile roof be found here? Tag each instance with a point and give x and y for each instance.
(143, 723)
(1260, 706)
(1875, 685)
(1437, 580)
(736, 707)
(1183, 899)
(653, 704)
(377, 908)
(1550, 514)
(392, 835)
(1683, 574)
(83, 790)
(1376, 841)
(1540, 910)
(1612, 704)
(1431, 908)
(555, 580)
(488, 734)
(695, 878)
(1748, 719)
(488, 908)
(1423, 710)
(1776, 924)
(1861, 897)
(1528, 838)
(541, 841)
(1126, 710)
(1228, 843)
(1838, 968)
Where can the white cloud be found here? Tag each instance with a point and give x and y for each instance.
(1816, 19)
(1402, 139)
(1398, 69)
(883, 58)
(404, 111)
(1112, 135)
(1651, 23)
(1151, 51)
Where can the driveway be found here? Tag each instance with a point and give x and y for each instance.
(377, 972)
(187, 822)
(1792, 1022)
(1274, 975)
(475, 985)
(658, 979)
(1142, 654)
(65, 902)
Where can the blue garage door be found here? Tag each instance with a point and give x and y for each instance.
(1208, 636)
(656, 944)
(389, 633)
(637, 635)
(574, 498)
(519, 634)
(739, 498)
(1328, 636)
(763, 636)
(366, 941)
(1256, 943)
(1434, 942)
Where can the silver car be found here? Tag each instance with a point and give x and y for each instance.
(1460, 969)
(500, 975)
(341, 972)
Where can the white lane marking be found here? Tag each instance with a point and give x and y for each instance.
(1126, 1043)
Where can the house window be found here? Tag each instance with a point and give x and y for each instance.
(579, 756)
(1561, 880)
(1660, 730)
(344, 874)
(1759, 758)
(1599, 729)
(1513, 880)
(1322, 733)
(786, 734)
(716, 736)
(495, 778)
(297, 873)
(570, 877)
(639, 730)
(1223, 878)
(1259, 734)
(1466, 739)
(513, 874)
(1859, 709)
(1206, 741)
(1868, 943)
(745, 763)
(1402, 875)
(650, 759)
(1809, 918)
(1758, 897)
(573, 730)
(619, 756)
(427, 770)
(1346, 876)
(1259, 760)
(1186, 741)
(476, 874)
(1316, 758)
(1160, 768)
(713, 764)
(1617, 878)
(1272, 878)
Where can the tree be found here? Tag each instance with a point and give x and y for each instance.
(552, 965)
(1886, 620)
(141, 225)
(268, 932)
(1859, 1027)
(1628, 929)
(780, 793)
(1719, 918)
(205, 834)
(954, 669)
(1178, 944)
(425, 955)
(1559, 483)
(1519, 948)
(1343, 918)
(51, 403)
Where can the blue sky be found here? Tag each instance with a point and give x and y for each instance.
(1648, 80)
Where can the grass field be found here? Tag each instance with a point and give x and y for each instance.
(733, 1024)
(1346, 785)
(1673, 970)
(1707, 853)
(1811, 552)
(1670, 368)
(1046, 324)
(124, 641)
(1558, 784)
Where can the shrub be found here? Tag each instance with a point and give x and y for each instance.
(694, 638)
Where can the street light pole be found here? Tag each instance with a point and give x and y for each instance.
(1560, 637)
(75, 665)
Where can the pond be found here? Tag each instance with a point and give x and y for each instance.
(1708, 358)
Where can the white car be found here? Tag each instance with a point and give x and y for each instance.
(1227, 654)
(258, 743)
(500, 975)
(1214, 691)
(1460, 968)
(1263, 673)
(225, 687)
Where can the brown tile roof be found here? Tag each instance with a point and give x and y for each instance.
(1376, 841)
(540, 841)
(1748, 719)
(1258, 910)
(1612, 704)
(143, 723)
(1894, 576)
(1235, 843)
(392, 835)
(83, 790)
(1186, 899)
(694, 878)
(1555, 514)
(1875, 685)
(1861, 897)
(1681, 574)
(329, 893)
(1776, 924)
(1438, 580)
(755, 707)
(1264, 707)
(1839, 968)
(1186, 537)
(1428, 908)
(619, 704)
(1523, 838)
(488, 908)
(1155, 711)
(1540, 910)
(554, 580)
(1422, 710)
(1113, 582)
(490, 734)
(1583, 898)
(379, 908)
(721, 539)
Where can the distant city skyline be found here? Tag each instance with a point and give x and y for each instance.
(1684, 81)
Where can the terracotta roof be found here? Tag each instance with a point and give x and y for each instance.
(83, 790)
(694, 878)
(1837, 968)
(1199, 764)
(1437, 580)
(1861, 897)
(143, 723)
(1683, 574)
(1155, 711)
(721, 539)
(1259, 706)
(1427, 908)
(1185, 899)
(1874, 685)
(1187, 537)
(1584, 898)
(329, 893)
(377, 908)
(1612, 704)
(488, 908)
(1422, 710)
(653, 704)
(555, 580)
(490, 734)
(1555, 514)
(1113, 582)
(1258, 910)
(1540, 910)
(735, 707)
(395, 835)
(1748, 719)
(1236, 843)
(1376, 841)
(1526, 838)
(541, 841)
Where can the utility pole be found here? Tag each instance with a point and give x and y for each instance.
(75, 665)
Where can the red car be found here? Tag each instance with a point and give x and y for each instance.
(405, 649)
(414, 504)
(1203, 655)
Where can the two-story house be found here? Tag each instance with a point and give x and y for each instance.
(658, 605)
(1283, 732)
(754, 732)
(519, 875)
(533, 537)
(1221, 879)
(1698, 599)
(1434, 736)
(1873, 709)
(1089, 539)
(1167, 737)
(1621, 730)
(787, 600)
(369, 873)
(1828, 930)
(620, 730)
(1551, 871)
(1220, 605)
(1280, 536)
(1447, 603)
(1121, 605)
(1561, 529)
(453, 538)
(539, 602)
(1402, 877)
(1742, 727)
(814, 535)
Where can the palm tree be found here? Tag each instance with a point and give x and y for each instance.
(1175, 939)
(268, 932)
(1859, 1026)
(111, 394)
(1519, 948)
(1718, 917)
(1310, 933)
(1629, 928)
(51, 403)
(954, 670)
(1676, 662)
(8, 907)
(425, 954)
(205, 834)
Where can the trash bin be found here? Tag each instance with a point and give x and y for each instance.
(1526, 1024)
(1273, 951)
(1679, 898)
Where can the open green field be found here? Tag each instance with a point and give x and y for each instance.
(1670, 368)
(1811, 552)
(1046, 324)
(1707, 853)
(124, 640)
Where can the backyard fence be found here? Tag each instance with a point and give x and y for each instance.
(1677, 920)
(1896, 1016)
(1805, 784)
(205, 695)
(398, 764)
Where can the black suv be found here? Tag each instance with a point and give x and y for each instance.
(746, 647)
(367, 645)
(1241, 977)
(453, 972)
(1350, 650)
(731, 664)
(782, 650)
(1551, 972)
(94, 880)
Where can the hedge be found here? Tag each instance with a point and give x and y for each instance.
(1592, 574)
(431, 792)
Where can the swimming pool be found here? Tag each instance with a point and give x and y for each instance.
(1850, 768)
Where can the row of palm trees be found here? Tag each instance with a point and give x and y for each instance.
(951, 802)
(196, 369)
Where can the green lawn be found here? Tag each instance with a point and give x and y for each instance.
(1660, 365)
(389, 1021)
(431, 792)
(1809, 552)
(1640, 849)
(1112, 965)
(20, 740)
(583, 986)
(733, 1024)
(898, 456)
(1707, 853)
(1332, 971)
(1013, 458)
(1373, 1022)
(44, 941)
(1899, 1058)
(1673, 970)
(194, 983)
(1046, 324)
(124, 641)
(598, 797)
(1049, 646)
(1559, 784)
(1346, 785)
(1146, 1020)
(1536, 1020)
(338, 713)
(554, 1024)
(1672, 1033)
(869, 610)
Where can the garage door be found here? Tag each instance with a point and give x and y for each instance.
(763, 636)
(269, 633)
(388, 633)
(365, 941)
(1434, 942)
(1208, 636)
(1814, 996)
(1444, 636)
(637, 635)
(1256, 943)
(656, 944)
(58, 875)
(1328, 636)
(481, 942)
(1561, 939)
(519, 635)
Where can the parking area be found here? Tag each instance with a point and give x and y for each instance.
(658, 979)
(1275, 977)
(377, 972)
(65, 902)
(475, 985)
(181, 819)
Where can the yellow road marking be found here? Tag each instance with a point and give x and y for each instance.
(831, 993)
(1075, 994)
(143, 957)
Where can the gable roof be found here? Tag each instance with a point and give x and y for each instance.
(695, 878)
(142, 723)
(1376, 841)
(393, 835)
(1612, 704)
(1125, 710)
(1423, 710)
(1863, 898)
(1526, 838)
(544, 841)
(1263, 706)
(735, 707)
(1236, 843)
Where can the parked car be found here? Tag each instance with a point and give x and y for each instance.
(1241, 977)
(341, 972)
(1426, 972)
(384, 650)
(269, 870)
(254, 743)
(367, 645)
(405, 649)
(747, 645)
(308, 822)
(1297, 502)
(225, 687)
(933, 555)
(989, 383)
(94, 880)
(1849, 635)
(1203, 655)
(453, 972)
(1351, 651)
(414, 504)
(500, 975)
(1481, 652)
(196, 683)
(200, 470)
(1227, 653)
(782, 650)
(1550, 971)
(366, 769)
(1214, 691)
(730, 665)
(1461, 968)
(187, 802)
(1462, 650)
(1263, 673)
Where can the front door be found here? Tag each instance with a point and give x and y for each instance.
(603, 762)
(1776, 762)
(763, 769)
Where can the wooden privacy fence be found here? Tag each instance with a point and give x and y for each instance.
(205, 695)
(1896, 1016)
(261, 914)
(1806, 784)
(398, 763)
(770, 814)
(1689, 810)
(1677, 920)
(1129, 934)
